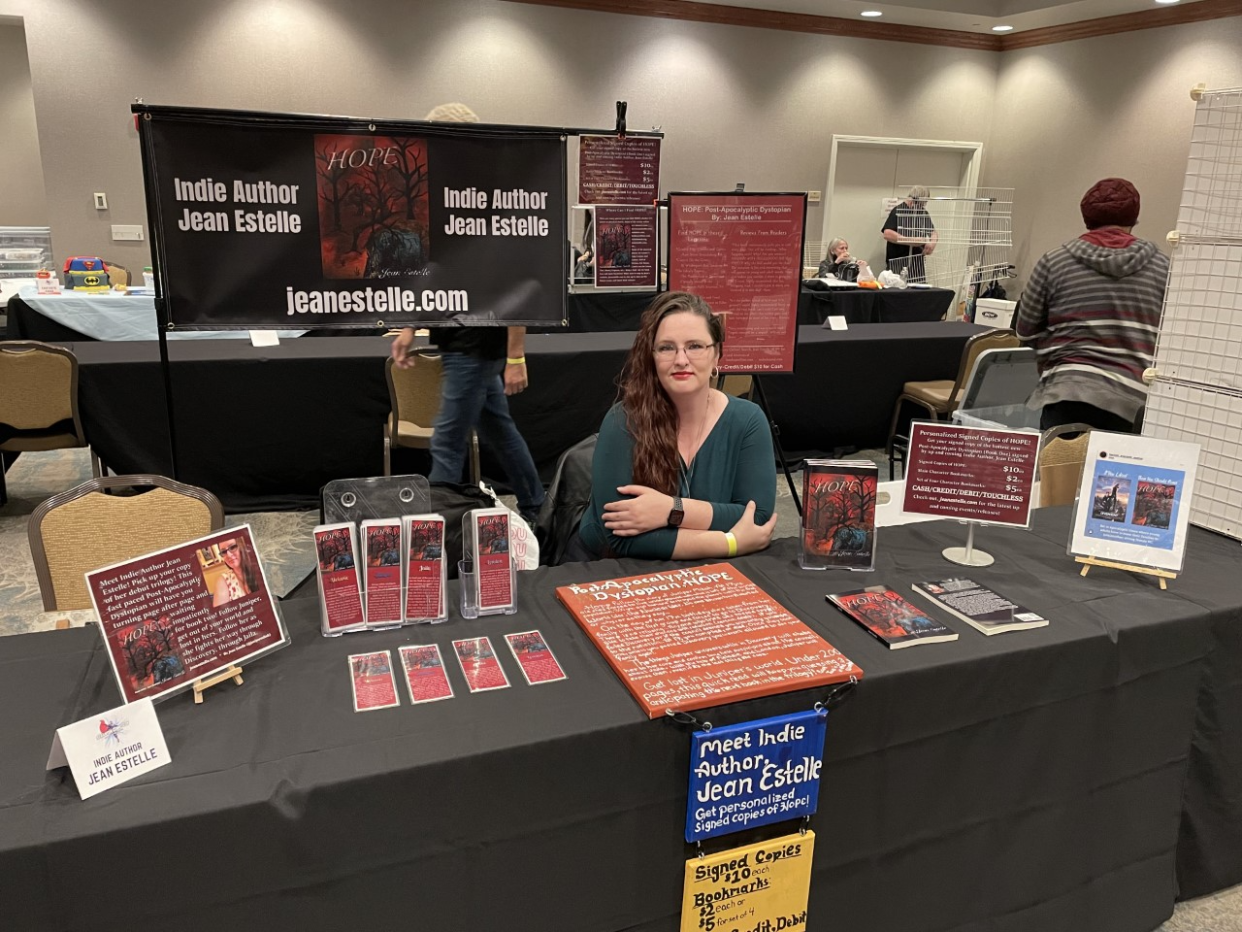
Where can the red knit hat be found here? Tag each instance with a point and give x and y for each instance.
(1111, 202)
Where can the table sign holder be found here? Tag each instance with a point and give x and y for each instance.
(968, 555)
(233, 673)
(1160, 575)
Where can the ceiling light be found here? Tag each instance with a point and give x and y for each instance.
(1166, 1)
(871, 14)
(1002, 29)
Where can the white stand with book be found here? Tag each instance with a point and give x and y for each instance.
(968, 555)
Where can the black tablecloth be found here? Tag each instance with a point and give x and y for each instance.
(1020, 783)
(266, 428)
(872, 306)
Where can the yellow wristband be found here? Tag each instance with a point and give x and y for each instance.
(732, 543)
(520, 361)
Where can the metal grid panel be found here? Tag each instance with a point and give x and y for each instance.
(1201, 330)
(1212, 198)
(975, 234)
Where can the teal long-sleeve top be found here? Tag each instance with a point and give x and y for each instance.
(735, 465)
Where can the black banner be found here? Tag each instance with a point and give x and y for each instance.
(270, 221)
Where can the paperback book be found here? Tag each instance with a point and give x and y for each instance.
(890, 618)
(979, 606)
(838, 514)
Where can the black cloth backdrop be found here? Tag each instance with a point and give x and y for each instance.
(266, 428)
(1018, 783)
(871, 306)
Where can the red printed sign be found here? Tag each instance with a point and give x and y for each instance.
(616, 170)
(742, 253)
(625, 247)
(184, 613)
(691, 638)
(971, 473)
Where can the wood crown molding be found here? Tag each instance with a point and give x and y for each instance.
(857, 29)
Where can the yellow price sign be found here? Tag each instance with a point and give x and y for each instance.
(762, 887)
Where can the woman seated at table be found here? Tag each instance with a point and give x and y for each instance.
(241, 575)
(840, 263)
(681, 470)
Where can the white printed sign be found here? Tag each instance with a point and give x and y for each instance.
(112, 748)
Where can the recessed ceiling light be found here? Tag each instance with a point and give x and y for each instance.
(871, 14)
(1166, 1)
(1002, 29)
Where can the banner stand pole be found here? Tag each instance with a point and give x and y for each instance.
(776, 441)
(163, 325)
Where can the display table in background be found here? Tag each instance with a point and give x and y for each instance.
(266, 428)
(874, 306)
(110, 316)
(1026, 782)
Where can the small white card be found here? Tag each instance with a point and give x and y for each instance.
(112, 748)
(837, 322)
(264, 338)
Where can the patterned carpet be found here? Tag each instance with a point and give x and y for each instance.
(283, 539)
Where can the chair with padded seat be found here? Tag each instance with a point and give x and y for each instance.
(117, 274)
(83, 529)
(38, 402)
(739, 386)
(1062, 457)
(940, 397)
(414, 397)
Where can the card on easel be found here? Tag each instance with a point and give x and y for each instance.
(492, 560)
(373, 682)
(425, 675)
(535, 658)
(479, 664)
(425, 568)
(183, 614)
(111, 748)
(340, 587)
(381, 542)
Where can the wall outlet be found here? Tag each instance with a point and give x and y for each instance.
(813, 197)
(101, 201)
(122, 231)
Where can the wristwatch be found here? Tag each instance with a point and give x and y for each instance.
(678, 512)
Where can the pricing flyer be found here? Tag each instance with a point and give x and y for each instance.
(625, 247)
(179, 615)
(618, 170)
(971, 473)
(762, 887)
(702, 636)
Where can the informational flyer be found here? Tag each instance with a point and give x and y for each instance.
(618, 170)
(381, 542)
(1134, 501)
(181, 614)
(374, 686)
(755, 773)
(425, 571)
(339, 579)
(625, 247)
(479, 665)
(971, 473)
(743, 254)
(492, 561)
(762, 887)
(425, 676)
(535, 658)
(702, 636)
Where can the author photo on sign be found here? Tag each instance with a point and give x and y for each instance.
(240, 575)
(681, 469)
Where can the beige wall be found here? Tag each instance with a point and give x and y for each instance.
(1070, 114)
(737, 104)
(22, 202)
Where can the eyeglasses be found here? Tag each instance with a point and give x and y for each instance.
(231, 548)
(694, 350)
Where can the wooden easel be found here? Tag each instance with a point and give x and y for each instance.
(228, 673)
(1161, 575)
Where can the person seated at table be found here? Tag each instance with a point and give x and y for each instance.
(681, 470)
(840, 263)
(241, 575)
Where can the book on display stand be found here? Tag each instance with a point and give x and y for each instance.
(426, 570)
(340, 586)
(838, 515)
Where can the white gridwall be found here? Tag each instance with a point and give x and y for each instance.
(1197, 395)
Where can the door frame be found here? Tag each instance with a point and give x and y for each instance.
(970, 179)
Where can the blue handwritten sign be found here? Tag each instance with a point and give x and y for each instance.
(755, 773)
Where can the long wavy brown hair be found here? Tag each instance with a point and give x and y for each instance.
(650, 416)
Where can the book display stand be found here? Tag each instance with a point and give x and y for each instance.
(1161, 575)
(233, 673)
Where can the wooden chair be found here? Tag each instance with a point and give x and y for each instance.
(414, 396)
(940, 398)
(739, 386)
(38, 402)
(83, 529)
(1061, 462)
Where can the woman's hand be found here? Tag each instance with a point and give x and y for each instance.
(646, 511)
(750, 536)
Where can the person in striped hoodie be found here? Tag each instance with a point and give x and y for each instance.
(1091, 311)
